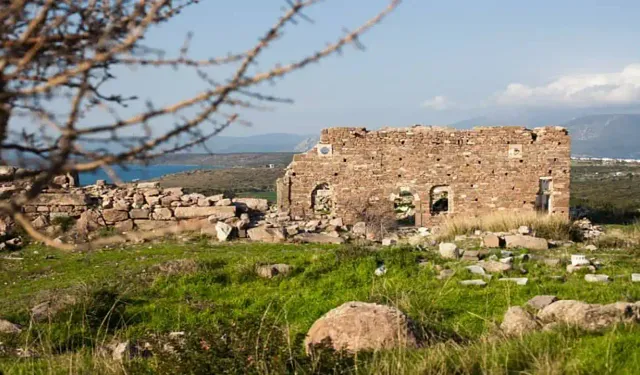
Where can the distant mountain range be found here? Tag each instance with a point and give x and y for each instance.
(599, 135)
(593, 135)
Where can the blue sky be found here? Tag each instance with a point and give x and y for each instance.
(430, 62)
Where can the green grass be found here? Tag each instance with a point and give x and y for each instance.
(120, 292)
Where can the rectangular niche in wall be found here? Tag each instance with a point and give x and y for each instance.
(515, 151)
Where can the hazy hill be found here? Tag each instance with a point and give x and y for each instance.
(613, 136)
(599, 135)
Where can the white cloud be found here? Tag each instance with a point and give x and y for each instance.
(438, 103)
(598, 89)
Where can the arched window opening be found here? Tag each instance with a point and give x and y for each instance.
(440, 200)
(322, 199)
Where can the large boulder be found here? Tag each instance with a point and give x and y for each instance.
(264, 234)
(590, 316)
(518, 321)
(356, 326)
(527, 242)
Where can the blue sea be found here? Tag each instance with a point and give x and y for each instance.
(136, 172)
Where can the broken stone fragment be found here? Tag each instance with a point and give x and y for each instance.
(445, 274)
(495, 266)
(264, 234)
(223, 231)
(473, 282)
(540, 302)
(476, 270)
(317, 238)
(593, 278)
(380, 270)
(517, 322)
(524, 230)
(551, 262)
(271, 270)
(223, 202)
(359, 228)
(9, 328)
(517, 280)
(449, 250)
(113, 215)
(389, 241)
(491, 240)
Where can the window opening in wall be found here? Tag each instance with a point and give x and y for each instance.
(440, 200)
(322, 199)
(404, 207)
(543, 199)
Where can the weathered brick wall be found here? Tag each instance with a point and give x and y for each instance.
(484, 170)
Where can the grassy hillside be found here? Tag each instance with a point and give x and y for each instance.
(236, 322)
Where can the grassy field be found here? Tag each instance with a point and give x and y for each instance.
(610, 192)
(236, 322)
(253, 182)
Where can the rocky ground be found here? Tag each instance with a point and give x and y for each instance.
(196, 305)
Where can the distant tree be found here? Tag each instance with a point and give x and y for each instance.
(58, 58)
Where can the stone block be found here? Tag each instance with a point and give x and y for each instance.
(527, 242)
(113, 215)
(221, 213)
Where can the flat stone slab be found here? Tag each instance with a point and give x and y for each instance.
(635, 277)
(317, 238)
(473, 282)
(527, 242)
(517, 280)
(60, 199)
(220, 212)
(540, 302)
(476, 270)
(593, 278)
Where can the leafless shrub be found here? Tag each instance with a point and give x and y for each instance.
(58, 61)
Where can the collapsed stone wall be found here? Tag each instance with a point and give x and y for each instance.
(142, 206)
(434, 172)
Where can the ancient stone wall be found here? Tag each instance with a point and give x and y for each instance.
(427, 173)
(143, 206)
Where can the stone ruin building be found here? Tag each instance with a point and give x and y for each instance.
(422, 174)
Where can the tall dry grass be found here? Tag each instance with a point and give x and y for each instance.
(621, 236)
(547, 226)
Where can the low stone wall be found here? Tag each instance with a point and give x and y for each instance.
(143, 206)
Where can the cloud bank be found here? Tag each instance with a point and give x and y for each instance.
(584, 90)
(438, 103)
